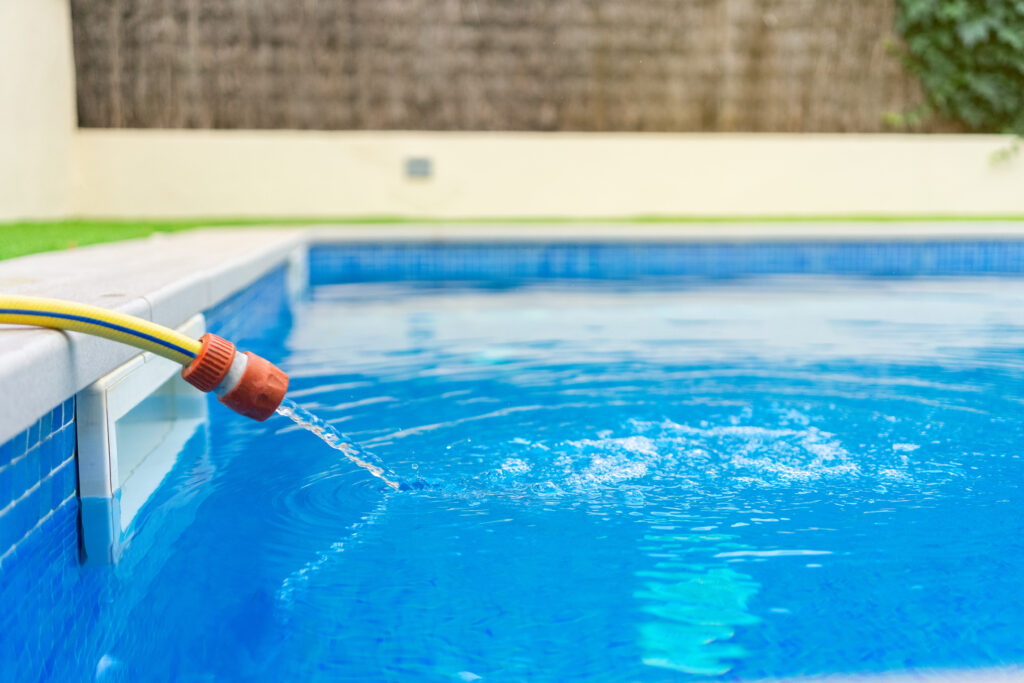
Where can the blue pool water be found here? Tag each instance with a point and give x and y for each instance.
(688, 479)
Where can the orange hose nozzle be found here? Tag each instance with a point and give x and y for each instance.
(260, 391)
(256, 394)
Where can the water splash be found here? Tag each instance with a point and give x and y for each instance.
(336, 440)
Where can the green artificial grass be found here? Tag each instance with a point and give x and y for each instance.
(19, 239)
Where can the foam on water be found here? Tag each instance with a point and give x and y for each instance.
(705, 458)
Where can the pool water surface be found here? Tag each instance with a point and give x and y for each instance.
(687, 479)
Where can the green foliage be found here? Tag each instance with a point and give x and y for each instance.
(911, 120)
(1007, 154)
(969, 55)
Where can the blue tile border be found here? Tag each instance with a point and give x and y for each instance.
(330, 264)
(38, 540)
(261, 305)
(41, 587)
(38, 474)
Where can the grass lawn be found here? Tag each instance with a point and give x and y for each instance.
(19, 239)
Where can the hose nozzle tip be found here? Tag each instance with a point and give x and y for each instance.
(255, 391)
(260, 390)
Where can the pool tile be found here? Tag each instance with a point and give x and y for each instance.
(46, 426)
(8, 531)
(68, 479)
(6, 486)
(21, 478)
(33, 435)
(375, 262)
(10, 450)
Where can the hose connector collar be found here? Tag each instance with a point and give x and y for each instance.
(209, 368)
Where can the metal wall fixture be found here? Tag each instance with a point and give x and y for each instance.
(419, 168)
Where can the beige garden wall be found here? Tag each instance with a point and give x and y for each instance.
(37, 109)
(282, 173)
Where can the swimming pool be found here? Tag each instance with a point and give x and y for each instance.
(738, 474)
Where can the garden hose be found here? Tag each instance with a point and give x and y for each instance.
(246, 383)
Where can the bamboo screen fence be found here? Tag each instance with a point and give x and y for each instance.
(582, 65)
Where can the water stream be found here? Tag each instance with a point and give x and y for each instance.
(336, 440)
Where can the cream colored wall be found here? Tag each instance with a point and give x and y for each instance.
(37, 109)
(281, 173)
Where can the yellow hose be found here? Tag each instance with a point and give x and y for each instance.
(127, 329)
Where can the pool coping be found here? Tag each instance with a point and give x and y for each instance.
(167, 278)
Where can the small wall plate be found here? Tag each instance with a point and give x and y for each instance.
(419, 168)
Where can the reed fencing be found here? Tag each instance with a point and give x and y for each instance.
(536, 65)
